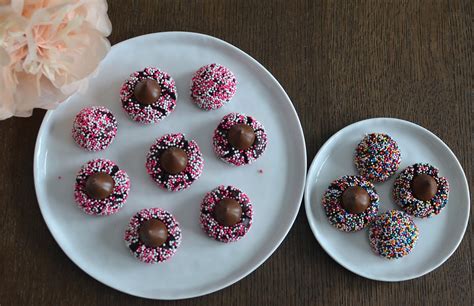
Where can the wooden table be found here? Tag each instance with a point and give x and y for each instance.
(340, 62)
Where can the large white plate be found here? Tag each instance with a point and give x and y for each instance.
(439, 235)
(201, 265)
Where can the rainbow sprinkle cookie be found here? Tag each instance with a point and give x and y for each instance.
(183, 179)
(403, 194)
(338, 216)
(208, 218)
(212, 86)
(228, 153)
(393, 234)
(153, 254)
(110, 204)
(377, 157)
(94, 128)
(156, 111)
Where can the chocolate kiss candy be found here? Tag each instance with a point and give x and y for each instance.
(228, 212)
(424, 187)
(173, 160)
(100, 185)
(147, 91)
(153, 233)
(355, 199)
(241, 136)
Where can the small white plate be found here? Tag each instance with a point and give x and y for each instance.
(439, 235)
(201, 264)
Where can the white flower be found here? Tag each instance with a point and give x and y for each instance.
(47, 51)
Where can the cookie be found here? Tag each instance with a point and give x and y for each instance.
(149, 95)
(174, 162)
(417, 204)
(393, 234)
(213, 86)
(94, 128)
(377, 157)
(336, 212)
(143, 251)
(101, 187)
(239, 139)
(226, 214)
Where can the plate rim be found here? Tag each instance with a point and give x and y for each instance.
(312, 222)
(298, 203)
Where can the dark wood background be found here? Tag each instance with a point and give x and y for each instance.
(340, 62)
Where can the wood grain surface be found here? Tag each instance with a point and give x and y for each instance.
(340, 62)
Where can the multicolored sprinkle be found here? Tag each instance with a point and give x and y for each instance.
(377, 157)
(220, 232)
(393, 234)
(149, 113)
(183, 179)
(112, 203)
(212, 86)
(150, 254)
(225, 151)
(338, 216)
(94, 128)
(403, 196)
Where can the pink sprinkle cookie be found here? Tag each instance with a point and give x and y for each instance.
(229, 153)
(94, 128)
(156, 111)
(110, 204)
(212, 86)
(151, 254)
(221, 232)
(183, 179)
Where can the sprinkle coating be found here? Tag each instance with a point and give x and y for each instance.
(403, 196)
(94, 128)
(377, 157)
(158, 110)
(231, 155)
(338, 216)
(220, 232)
(112, 203)
(149, 254)
(212, 86)
(184, 179)
(393, 234)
